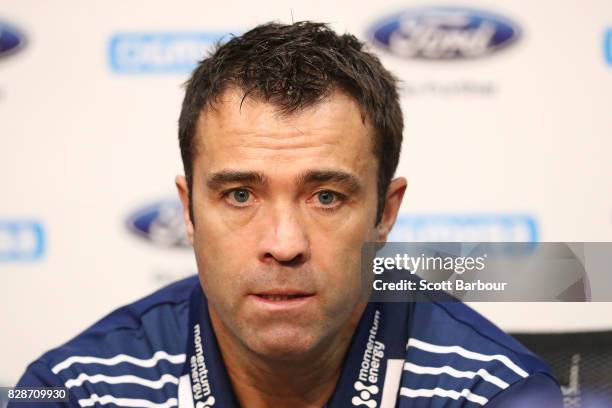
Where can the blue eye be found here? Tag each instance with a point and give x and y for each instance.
(241, 195)
(326, 197)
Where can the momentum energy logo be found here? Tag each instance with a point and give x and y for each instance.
(21, 240)
(160, 223)
(11, 39)
(465, 228)
(443, 33)
(159, 53)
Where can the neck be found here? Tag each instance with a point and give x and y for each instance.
(306, 381)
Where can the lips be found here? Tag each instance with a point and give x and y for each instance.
(279, 296)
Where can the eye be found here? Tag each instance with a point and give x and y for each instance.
(326, 197)
(241, 195)
(329, 200)
(238, 197)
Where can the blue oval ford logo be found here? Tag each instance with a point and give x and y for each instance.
(160, 223)
(444, 33)
(10, 39)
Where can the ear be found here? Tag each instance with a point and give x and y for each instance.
(395, 194)
(183, 192)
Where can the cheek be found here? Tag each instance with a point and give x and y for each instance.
(338, 253)
(221, 255)
(220, 235)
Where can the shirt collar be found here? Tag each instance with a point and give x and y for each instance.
(371, 370)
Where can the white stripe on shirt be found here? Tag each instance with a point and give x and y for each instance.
(417, 369)
(122, 379)
(126, 402)
(434, 348)
(440, 392)
(120, 358)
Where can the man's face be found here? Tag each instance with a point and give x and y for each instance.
(282, 205)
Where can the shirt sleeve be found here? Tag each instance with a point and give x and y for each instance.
(535, 391)
(39, 375)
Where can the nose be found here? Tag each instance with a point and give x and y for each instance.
(285, 240)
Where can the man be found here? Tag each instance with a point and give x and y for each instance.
(290, 136)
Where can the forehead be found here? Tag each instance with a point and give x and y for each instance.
(250, 133)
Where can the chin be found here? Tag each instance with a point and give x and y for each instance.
(283, 343)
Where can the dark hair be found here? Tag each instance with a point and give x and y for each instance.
(295, 66)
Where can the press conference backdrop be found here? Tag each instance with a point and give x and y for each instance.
(508, 137)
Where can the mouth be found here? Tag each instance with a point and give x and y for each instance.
(282, 297)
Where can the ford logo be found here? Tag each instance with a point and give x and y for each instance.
(443, 33)
(10, 39)
(160, 223)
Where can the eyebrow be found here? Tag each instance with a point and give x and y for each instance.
(221, 178)
(349, 181)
